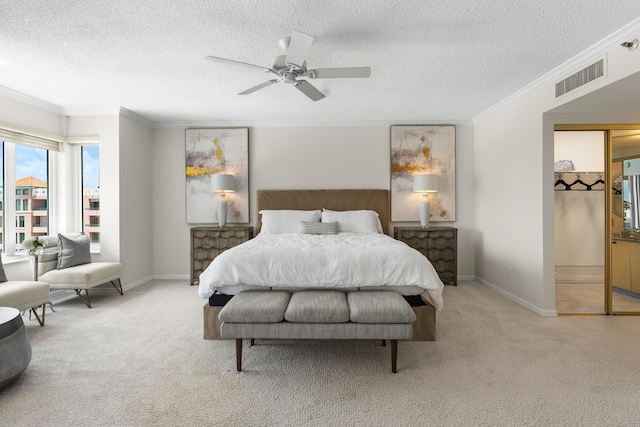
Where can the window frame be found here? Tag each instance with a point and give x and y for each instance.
(10, 236)
(88, 228)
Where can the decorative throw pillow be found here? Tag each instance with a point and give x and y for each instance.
(318, 227)
(73, 251)
(3, 277)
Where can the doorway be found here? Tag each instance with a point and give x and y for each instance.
(579, 196)
(617, 209)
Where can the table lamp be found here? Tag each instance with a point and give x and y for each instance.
(425, 183)
(222, 183)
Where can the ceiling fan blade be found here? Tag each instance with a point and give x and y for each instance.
(309, 90)
(298, 48)
(339, 73)
(244, 64)
(260, 86)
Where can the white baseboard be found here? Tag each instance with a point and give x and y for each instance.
(534, 308)
(172, 277)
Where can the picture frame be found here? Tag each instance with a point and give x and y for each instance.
(216, 151)
(423, 149)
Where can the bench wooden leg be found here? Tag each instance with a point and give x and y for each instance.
(86, 300)
(394, 355)
(35, 313)
(239, 354)
(118, 286)
(252, 342)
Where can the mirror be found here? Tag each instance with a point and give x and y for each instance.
(616, 196)
(625, 220)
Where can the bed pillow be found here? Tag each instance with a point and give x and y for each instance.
(361, 221)
(286, 221)
(73, 251)
(318, 227)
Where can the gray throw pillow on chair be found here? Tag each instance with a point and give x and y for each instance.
(73, 251)
(3, 276)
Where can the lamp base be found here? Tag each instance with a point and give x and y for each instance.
(222, 212)
(425, 213)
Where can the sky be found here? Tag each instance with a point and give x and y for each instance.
(33, 162)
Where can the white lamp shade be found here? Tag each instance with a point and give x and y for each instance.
(425, 183)
(221, 183)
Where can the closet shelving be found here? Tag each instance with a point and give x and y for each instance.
(580, 181)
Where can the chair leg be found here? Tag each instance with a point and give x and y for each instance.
(118, 286)
(86, 300)
(394, 355)
(35, 313)
(239, 354)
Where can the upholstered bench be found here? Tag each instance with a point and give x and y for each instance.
(25, 295)
(65, 263)
(317, 314)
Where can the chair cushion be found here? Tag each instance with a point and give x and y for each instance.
(379, 307)
(255, 307)
(83, 276)
(23, 294)
(316, 306)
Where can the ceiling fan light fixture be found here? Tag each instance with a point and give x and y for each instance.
(293, 65)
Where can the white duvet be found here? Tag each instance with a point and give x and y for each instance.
(345, 260)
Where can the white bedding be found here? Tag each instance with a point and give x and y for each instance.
(346, 260)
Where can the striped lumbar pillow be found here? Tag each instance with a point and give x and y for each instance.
(318, 227)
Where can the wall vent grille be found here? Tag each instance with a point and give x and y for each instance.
(580, 78)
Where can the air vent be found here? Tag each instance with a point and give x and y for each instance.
(580, 78)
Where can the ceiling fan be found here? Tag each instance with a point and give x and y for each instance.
(292, 65)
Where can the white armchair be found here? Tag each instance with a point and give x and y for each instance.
(65, 263)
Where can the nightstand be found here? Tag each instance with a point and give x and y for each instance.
(209, 242)
(438, 244)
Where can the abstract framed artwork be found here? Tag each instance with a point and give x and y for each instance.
(216, 151)
(423, 150)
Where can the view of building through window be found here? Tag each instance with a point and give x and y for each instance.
(91, 193)
(30, 196)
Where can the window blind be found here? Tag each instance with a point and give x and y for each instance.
(31, 139)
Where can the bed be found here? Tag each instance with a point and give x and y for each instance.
(354, 258)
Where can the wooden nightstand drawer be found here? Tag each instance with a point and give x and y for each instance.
(438, 244)
(209, 242)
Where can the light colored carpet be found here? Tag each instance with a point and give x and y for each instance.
(588, 298)
(140, 360)
(580, 298)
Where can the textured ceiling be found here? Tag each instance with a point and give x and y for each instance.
(431, 60)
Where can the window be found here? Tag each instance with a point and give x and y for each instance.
(91, 193)
(25, 177)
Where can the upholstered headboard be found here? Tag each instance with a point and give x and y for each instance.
(337, 200)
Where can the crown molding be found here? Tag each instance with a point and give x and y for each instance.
(137, 118)
(30, 100)
(600, 49)
(91, 112)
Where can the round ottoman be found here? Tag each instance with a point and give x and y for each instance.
(15, 348)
